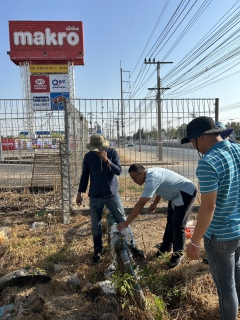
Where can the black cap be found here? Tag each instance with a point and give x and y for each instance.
(200, 126)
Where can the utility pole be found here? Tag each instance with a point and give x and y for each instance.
(216, 109)
(122, 104)
(110, 134)
(102, 116)
(178, 132)
(159, 102)
(117, 121)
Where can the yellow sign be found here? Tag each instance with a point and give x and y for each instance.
(49, 68)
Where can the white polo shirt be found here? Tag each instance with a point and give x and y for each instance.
(167, 184)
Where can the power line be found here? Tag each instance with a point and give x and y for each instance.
(217, 33)
(129, 28)
(151, 35)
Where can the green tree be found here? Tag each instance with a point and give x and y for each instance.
(171, 132)
(236, 128)
(154, 133)
(137, 135)
(182, 130)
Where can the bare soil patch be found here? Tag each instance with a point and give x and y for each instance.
(187, 291)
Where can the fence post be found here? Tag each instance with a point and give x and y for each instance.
(65, 169)
(216, 109)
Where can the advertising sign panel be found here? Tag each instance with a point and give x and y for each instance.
(58, 83)
(41, 101)
(57, 100)
(40, 83)
(8, 144)
(48, 91)
(42, 42)
(46, 68)
(36, 143)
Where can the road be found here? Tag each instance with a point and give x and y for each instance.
(176, 154)
(186, 160)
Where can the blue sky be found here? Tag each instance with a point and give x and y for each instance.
(117, 32)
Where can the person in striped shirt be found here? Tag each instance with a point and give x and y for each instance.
(218, 219)
(226, 134)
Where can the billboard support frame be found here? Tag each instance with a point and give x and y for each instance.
(26, 95)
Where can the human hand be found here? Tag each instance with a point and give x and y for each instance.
(104, 156)
(121, 225)
(79, 199)
(152, 208)
(193, 252)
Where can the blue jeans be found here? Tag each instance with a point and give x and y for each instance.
(224, 263)
(114, 204)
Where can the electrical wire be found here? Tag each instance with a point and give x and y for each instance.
(220, 46)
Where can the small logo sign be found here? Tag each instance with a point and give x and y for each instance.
(39, 81)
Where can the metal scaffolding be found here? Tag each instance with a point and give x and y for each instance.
(26, 96)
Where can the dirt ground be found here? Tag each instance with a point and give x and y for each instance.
(65, 252)
(69, 286)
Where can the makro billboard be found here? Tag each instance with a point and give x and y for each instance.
(48, 91)
(42, 42)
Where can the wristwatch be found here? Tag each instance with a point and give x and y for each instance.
(108, 161)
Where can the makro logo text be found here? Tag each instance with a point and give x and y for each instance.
(56, 82)
(48, 38)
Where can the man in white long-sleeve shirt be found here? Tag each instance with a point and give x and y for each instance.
(180, 194)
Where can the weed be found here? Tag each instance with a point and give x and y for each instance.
(121, 190)
(40, 271)
(156, 305)
(124, 285)
(63, 255)
(176, 293)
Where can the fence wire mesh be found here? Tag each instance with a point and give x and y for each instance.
(30, 168)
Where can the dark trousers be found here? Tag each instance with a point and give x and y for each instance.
(174, 235)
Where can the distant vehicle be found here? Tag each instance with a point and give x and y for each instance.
(130, 144)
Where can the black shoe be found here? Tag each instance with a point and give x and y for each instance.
(162, 249)
(97, 255)
(137, 252)
(176, 259)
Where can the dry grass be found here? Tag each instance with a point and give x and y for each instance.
(27, 202)
(188, 292)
